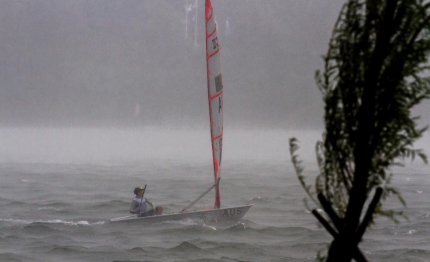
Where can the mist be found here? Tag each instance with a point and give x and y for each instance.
(164, 146)
(140, 63)
(101, 80)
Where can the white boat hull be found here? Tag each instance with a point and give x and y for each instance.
(207, 215)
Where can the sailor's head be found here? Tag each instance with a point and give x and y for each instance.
(137, 190)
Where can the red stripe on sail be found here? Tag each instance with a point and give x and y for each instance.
(216, 95)
(216, 52)
(208, 10)
(215, 138)
(211, 34)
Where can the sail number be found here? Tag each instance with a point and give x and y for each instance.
(232, 212)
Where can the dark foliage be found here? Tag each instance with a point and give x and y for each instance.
(374, 74)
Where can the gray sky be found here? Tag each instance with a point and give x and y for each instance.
(137, 62)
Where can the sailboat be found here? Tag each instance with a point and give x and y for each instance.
(215, 98)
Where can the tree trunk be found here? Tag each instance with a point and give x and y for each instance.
(341, 250)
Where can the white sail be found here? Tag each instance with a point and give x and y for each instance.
(215, 97)
(215, 93)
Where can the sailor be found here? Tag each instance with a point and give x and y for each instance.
(138, 204)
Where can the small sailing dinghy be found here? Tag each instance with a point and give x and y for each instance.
(215, 97)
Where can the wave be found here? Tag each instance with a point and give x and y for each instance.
(10, 257)
(53, 221)
(49, 208)
(190, 222)
(223, 258)
(260, 200)
(112, 203)
(231, 247)
(290, 232)
(416, 255)
(138, 250)
(238, 226)
(186, 247)
(15, 203)
(68, 249)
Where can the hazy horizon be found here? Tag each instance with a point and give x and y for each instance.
(141, 64)
(158, 145)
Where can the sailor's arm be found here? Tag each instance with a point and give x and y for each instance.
(134, 208)
(150, 203)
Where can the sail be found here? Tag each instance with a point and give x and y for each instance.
(215, 93)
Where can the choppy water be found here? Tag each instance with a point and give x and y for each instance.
(54, 211)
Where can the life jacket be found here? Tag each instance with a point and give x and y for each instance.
(139, 202)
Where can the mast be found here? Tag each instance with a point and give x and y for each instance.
(215, 94)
